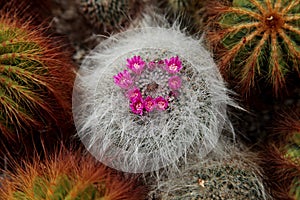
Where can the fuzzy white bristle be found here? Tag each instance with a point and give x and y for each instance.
(138, 144)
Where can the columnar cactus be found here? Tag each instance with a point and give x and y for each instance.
(257, 39)
(231, 176)
(109, 14)
(148, 97)
(35, 78)
(67, 175)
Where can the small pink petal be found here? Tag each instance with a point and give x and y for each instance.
(134, 93)
(123, 79)
(173, 65)
(149, 104)
(161, 103)
(137, 106)
(174, 82)
(136, 64)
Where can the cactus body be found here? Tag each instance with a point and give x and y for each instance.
(108, 14)
(35, 78)
(233, 176)
(260, 40)
(68, 176)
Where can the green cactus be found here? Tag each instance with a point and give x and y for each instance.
(261, 40)
(218, 178)
(67, 176)
(35, 79)
(108, 14)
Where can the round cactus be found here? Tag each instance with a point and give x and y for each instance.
(108, 14)
(35, 80)
(231, 176)
(146, 97)
(257, 40)
(67, 175)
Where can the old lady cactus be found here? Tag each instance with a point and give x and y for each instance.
(261, 40)
(35, 78)
(67, 176)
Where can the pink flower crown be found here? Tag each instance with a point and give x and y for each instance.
(150, 86)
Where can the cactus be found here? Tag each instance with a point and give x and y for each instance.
(257, 39)
(35, 80)
(67, 175)
(283, 156)
(108, 14)
(230, 176)
(190, 13)
(151, 95)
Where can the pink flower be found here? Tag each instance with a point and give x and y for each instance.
(174, 82)
(134, 93)
(173, 65)
(137, 105)
(162, 103)
(123, 79)
(136, 64)
(149, 104)
(151, 65)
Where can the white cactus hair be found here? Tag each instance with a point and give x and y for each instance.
(231, 174)
(138, 144)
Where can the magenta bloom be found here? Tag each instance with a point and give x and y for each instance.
(149, 104)
(136, 64)
(134, 93)
(137, 106)
(174, 82)
(151, 65)
(173, 65)
(161, 103)
(123, 79)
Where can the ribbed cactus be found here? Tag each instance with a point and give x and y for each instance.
(35, 78)
(257, 39)
(68, 176)
(108, 15)
(233, 176)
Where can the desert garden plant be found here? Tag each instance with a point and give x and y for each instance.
(67, 175)
(109, 15)
(36, 78)
(148, 97)
(256, 41)
(233, 175)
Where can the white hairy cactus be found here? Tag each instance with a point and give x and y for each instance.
(187, 113)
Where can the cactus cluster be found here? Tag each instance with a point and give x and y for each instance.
(108, 14)
(35, 78)
(256, 39)
(67, 175)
